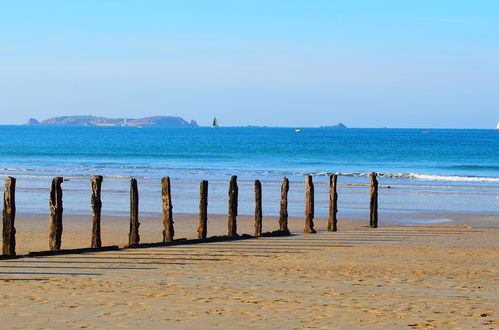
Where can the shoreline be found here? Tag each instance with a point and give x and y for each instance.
(439, 181)
(32, 197)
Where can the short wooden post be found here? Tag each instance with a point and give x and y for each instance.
(258, 208)
(133, 235)
(55, 228)
(96, 204)
(309, 205)
(283, 213)
(333, 203)
(9, 216)
(203, 210)
(168, 229)
(232, 214)
(373, 204)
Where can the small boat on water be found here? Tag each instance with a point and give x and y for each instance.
(497, 127)
(215, 123)
(297, 130)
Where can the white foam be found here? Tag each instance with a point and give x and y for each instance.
(447, 178)
(83, 173)
(417, 176)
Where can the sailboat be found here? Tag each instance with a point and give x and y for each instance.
(215, 123)
(497, 127)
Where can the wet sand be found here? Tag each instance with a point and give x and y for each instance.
(442, 275)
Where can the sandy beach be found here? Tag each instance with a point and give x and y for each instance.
(441, 275)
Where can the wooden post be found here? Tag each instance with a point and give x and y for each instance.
(168, 230)
(283, 213)
(203, 210)
(9, 216)
(258, 208)
(133, 235)
(55, 228)
(96, 204)
(233, 195)
(309, 205)
(373, 204)
(333, 203)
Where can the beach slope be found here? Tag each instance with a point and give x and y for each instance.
(441, 275)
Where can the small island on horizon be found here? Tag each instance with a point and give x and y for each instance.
(339, 125)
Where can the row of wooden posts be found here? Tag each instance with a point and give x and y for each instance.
(56, 210)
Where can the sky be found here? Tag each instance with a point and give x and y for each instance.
(371, 63)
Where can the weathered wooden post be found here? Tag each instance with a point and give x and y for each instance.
(9, 216)
(333, 203)
(233, 195)
(55, 228)
(283, 213)
(258, 208)
(133, 235)
(309, 205)
(203, 210)
(96, 204)
(168, 229)
(373, 205)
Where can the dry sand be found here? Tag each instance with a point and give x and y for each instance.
(426, 276)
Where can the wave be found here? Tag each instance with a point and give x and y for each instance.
(417, 176)
(187, 174)
(455, 178)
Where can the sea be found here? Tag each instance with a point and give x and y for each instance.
(435, 171)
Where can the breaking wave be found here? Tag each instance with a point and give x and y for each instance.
(145, 172)
(421, 177)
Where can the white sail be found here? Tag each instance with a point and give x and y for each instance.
(497, 127)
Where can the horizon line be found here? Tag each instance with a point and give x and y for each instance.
(266, 126)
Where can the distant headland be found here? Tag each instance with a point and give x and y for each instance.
(158, 121)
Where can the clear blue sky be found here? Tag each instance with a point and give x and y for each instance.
(421, 63)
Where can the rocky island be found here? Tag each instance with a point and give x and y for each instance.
(156, 121)
(339, 125)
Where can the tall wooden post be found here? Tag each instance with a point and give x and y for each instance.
(309, 205)
(203, 210)
(373, 204)
(333, 203)
(258, 208)
(55, 228)
(283, 213)
(133, 235)
(9, 216)
(96, 204)
(232, 214)
(168, 229)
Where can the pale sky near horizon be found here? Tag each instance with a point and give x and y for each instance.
(279, 63)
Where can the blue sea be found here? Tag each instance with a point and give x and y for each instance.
(438, 171)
